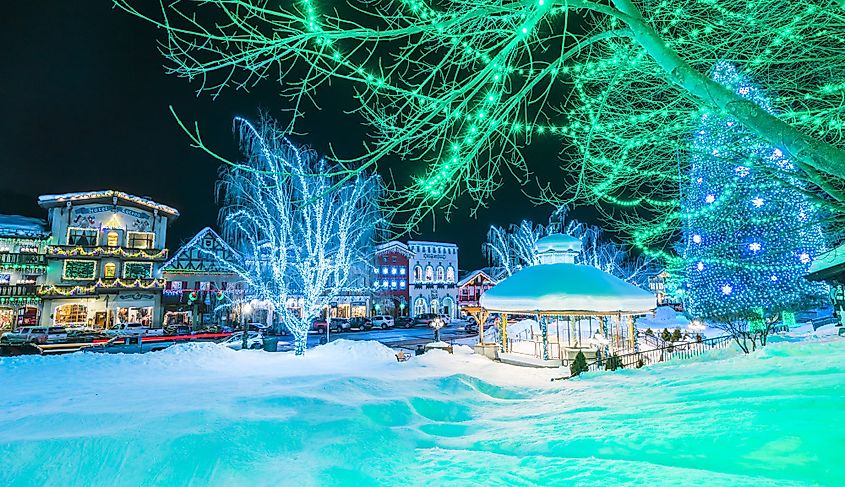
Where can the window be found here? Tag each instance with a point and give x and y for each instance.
(141, 240)
(401, 271)
(435, 306)
(176, 285)
(420, 307)
(429, 273)
(79, 270)
(418, 273)
(440, 273)
(71, 314)
(450, 274)
(84, 237)
(393, 271)
(402, 284)
(384, 284)
(111, 239)
(384, 270)
(393, 259)
(138, 270)
(109, 270)
(393, 284)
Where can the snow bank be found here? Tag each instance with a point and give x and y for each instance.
(349, 414)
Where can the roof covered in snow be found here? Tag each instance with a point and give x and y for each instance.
(480, 272)
(829, 265)
(558, 242)
(23, 226)
(54, 200)
(566, 287)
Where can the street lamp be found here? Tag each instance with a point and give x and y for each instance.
(437, 324)
(245, 310)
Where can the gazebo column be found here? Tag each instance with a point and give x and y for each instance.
(504, 331)
(574, 333)
(632, 333)
(604, 333)
(544, 330)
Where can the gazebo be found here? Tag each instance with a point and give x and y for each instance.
(568, 308)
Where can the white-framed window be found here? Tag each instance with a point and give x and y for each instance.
(79, 270)
(420, 306)
(429, 273)
(440, 273)
(450, 274)
(418, 273)
(435, 306)
(112, 239)
(140, 240)
(84, 237)
(109, 270)
(137, 270)
(401, 271)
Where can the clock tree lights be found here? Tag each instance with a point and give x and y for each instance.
(748, 237)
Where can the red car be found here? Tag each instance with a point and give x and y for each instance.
(318, 325)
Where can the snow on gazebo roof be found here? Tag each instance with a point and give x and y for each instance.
(558, 242)
(565, 287)
(828, 264)
(52, 200)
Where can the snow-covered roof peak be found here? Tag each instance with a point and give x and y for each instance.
(53, 200)
(23, 226)
(558, 242)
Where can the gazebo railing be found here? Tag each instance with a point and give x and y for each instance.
(672, 351)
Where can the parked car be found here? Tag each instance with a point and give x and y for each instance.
(446, 319)
(129, 344)
(404, 322)
(383, 321)
(471, 327)
(254, 340)
(133, 329)
(35, 334)
(337, 325)
(361, 323)
(425, 319)
(318, 325)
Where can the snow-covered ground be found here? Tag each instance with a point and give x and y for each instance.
(350, 414)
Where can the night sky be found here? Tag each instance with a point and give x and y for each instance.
(85, 107)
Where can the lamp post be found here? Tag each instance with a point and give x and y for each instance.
(437, 324)
(245, 310)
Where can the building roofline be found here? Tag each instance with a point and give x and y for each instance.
(426, 242)
(105, 195)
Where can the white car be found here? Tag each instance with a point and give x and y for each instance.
(446, 319)
(254, 341)
(133, 329)
(382, 321)
(41, 335)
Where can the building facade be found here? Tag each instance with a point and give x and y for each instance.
(103, 256)
(433, 272)
(472, 286)
(23, 241)
(391, 268)
(200, 289)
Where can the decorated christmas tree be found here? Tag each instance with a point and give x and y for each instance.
(750, 230)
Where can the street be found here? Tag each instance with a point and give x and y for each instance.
(393, 337)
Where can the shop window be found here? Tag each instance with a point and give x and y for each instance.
(71, 314)
(111, 239)
(176, 285)
(420, 307)
(109, 270)
(141, 240)
(85, 237)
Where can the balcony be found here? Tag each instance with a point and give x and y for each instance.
(102, 286)
(18, 291)
(71, 251)
(22, 261)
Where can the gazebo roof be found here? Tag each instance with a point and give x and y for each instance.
(566, 287)
(558, 242)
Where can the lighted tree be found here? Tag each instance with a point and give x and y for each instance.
(748, 238)
(302, 234)
(510, 249)
(464, 87)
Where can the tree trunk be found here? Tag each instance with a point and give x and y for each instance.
(300, 341)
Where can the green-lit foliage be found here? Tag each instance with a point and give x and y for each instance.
(461, 88)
